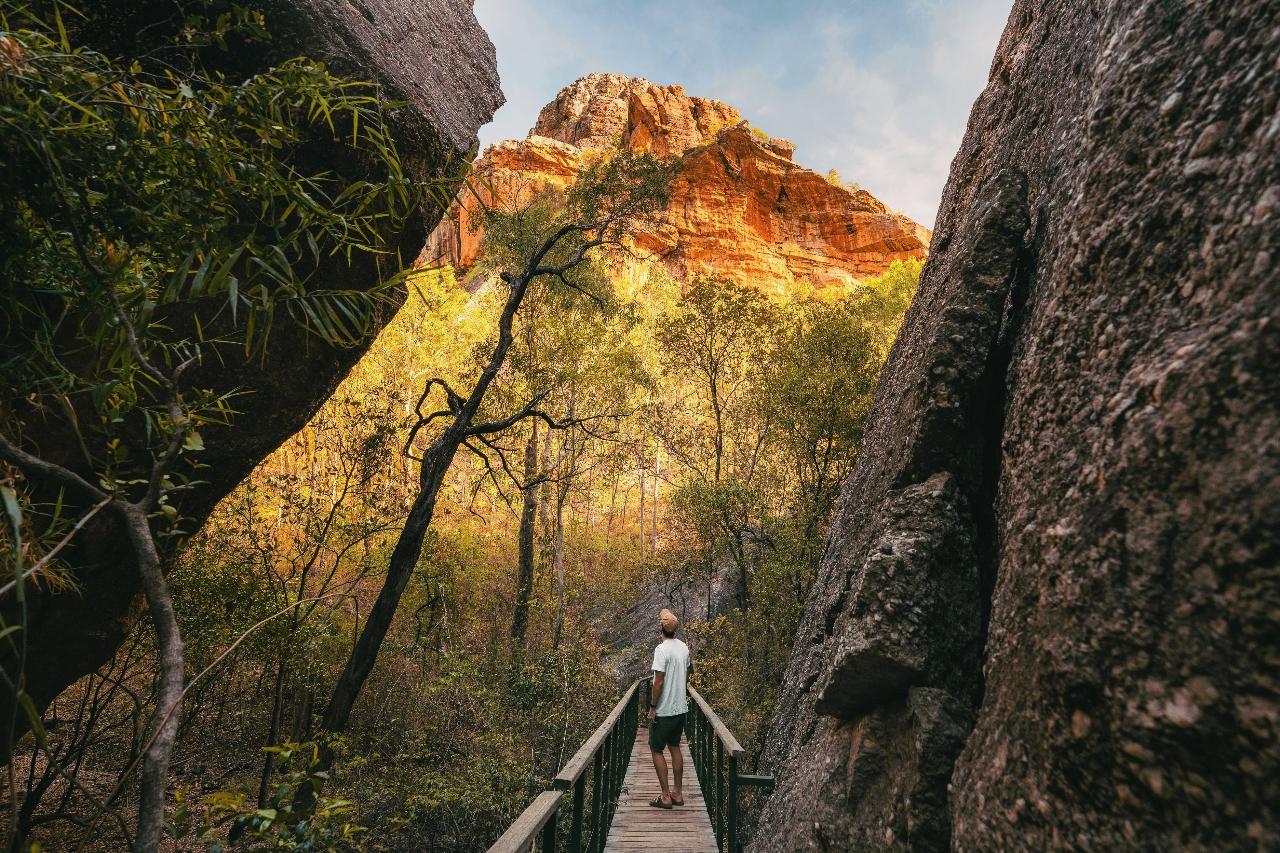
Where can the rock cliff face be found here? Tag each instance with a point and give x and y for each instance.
(1049, 611)
(430, 55)
(739, 206)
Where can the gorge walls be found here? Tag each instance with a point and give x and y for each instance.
(1047, 617)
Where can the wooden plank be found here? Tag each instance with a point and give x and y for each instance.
(581, 760)
(520, 836)
(637, 826)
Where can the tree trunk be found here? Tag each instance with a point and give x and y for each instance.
(657, 472)
(164, 730)
(562, 496)
(273, 733)
(558, 630)
(643, 489)
(719, 425)
(524, 572)
(434, 466)
(545, 489)
(399, 569)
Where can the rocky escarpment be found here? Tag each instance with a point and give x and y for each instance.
(434, 60)
(1048, 614)
(740, 207)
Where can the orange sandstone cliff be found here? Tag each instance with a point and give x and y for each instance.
(740, 208)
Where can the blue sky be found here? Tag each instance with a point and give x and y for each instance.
(879, 90)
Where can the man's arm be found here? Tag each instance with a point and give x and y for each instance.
(655, 692)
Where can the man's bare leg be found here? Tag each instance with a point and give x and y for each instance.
(660, 765)
(677, 771)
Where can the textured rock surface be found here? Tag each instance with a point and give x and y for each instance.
(431, 55)
(601, 111)
(739, 206)
(1091, 365)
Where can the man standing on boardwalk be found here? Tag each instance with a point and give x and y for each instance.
(669, 702)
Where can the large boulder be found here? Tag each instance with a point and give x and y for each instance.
(430, 56)
(1074, 456)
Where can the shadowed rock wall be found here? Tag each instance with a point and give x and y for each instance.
(1049, 611)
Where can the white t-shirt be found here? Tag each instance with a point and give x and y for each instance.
(671, 658)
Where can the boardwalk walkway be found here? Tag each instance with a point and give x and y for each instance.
(638, 826)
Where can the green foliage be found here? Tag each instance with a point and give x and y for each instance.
(717, 340)
(609, 198)
(226, 820)
(883, 300)
(135, 197)
(188, 195)
(795, 383)
(155, 217)
(818, 397)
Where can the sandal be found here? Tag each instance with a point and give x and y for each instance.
(676, 802)
(657, 803)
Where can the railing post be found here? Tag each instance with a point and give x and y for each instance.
(612, 776)
(708, 763)
(597, 783)
(549, 835)
(611, 770)
(700, 755)
(698, 746)
(733, 805)
(575, 827)
(607, 790)
(719, 792)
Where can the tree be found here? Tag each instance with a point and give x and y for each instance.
(715, 340)
(547, 240)
(817, 400)
(716, 343)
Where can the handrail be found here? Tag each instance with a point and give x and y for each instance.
(520, 835)
(711, 743)
(577, 765)
(716, 753)
(606, 753)
(730, 742)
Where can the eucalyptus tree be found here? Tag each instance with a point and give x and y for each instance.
(717, 344)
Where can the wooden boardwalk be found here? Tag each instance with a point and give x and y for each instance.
(638, 826)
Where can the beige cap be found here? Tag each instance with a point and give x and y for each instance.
(668, 620)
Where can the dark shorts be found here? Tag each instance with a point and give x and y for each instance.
(665, 732)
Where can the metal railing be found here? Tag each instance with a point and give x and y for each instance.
(716, 756)
(604, 756)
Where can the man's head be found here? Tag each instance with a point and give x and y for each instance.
(667, 623)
